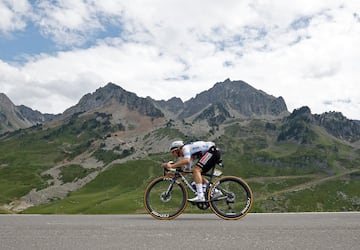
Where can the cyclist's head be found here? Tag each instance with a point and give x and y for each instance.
(175, 145)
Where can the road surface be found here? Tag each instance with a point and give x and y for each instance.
(255, 231)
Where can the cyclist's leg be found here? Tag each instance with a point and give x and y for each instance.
(205, 163)
(197, 174)
(198, 183)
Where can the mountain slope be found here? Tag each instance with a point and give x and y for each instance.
(276, 171)
(14, 117)
(89, 148)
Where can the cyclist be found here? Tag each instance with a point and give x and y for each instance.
(207, 155)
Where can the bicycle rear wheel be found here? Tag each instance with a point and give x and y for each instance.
(165, 199)
(230, 198)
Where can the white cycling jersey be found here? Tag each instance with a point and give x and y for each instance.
(197, 148)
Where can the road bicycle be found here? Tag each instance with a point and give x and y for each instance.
(229, 197)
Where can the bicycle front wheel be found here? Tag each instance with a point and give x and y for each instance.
(165, 198)
(230, 198)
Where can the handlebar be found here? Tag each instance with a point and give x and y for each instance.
(168, 169)
(180, 170)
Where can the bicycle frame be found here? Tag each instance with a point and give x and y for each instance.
(229, 197)
(178, 174)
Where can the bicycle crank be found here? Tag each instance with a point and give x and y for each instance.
(203, 205)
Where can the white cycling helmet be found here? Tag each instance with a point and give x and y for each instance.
(175, 145)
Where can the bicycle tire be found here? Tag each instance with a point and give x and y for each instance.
(234, 200)
(161, 207)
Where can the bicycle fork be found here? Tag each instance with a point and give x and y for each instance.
(167, 194)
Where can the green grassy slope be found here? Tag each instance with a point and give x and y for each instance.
(25, 154)
(320, 173)
(117, 190)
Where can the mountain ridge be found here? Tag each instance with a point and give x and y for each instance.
(226, 100)
(112, 126)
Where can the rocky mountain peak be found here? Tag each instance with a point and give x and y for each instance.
(14, 117)
(5, 102)
(114, 95)
(238, 98)
(298, 126)
(303, 113)
(174, 105)
(339, 126)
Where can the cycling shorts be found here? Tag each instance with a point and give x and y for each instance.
(209, 159)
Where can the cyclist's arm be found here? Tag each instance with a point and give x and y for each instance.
(182, 162)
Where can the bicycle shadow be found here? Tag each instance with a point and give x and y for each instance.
(182, 217)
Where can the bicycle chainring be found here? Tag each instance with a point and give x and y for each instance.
(203, 205)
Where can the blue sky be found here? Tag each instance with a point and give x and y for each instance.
(55, 51)
(25, 42)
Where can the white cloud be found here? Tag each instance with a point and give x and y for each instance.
(13, 15)
(67, 22)
(305, 51)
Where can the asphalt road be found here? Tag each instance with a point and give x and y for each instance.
(255, 231)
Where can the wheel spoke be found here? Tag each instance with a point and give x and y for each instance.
(230, 198)
(165, 199)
